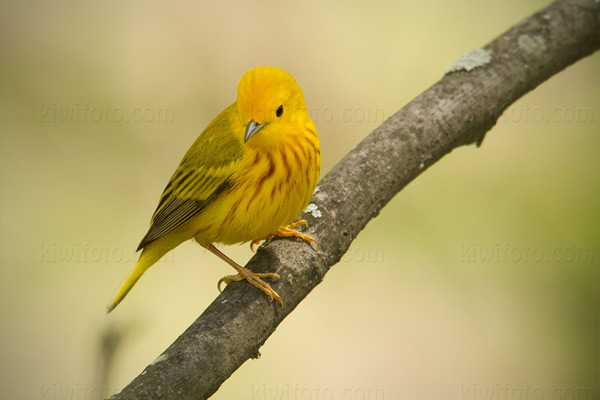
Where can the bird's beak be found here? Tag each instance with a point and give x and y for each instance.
(251, 129)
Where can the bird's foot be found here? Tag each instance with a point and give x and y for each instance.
(287, 231)
(255, 280)
(244, 274)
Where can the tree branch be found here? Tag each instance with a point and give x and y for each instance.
(458, 110)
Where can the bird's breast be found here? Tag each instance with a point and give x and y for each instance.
(270, 190)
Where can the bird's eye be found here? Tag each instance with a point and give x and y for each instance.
(279, 111)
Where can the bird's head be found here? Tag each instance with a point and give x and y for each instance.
(269, 98)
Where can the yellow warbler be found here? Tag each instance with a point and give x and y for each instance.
(249, 174)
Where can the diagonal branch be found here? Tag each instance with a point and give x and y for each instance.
(458, 110)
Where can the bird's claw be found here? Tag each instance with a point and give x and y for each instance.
(288, 231)
(255, 279)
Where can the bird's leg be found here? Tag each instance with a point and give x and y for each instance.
(244, 274)
(287, 231)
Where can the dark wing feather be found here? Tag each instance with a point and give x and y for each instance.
(175, 213)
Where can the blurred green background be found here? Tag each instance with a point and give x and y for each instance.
(479, 280)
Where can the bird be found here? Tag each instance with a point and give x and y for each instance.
(246, 178)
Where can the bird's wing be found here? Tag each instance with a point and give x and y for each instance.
(203, 174)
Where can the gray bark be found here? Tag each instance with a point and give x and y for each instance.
(458, 110)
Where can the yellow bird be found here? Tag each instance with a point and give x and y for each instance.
(249, 174)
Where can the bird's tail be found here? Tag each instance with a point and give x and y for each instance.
(150, 255)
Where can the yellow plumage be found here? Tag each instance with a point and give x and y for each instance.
(249, 173)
